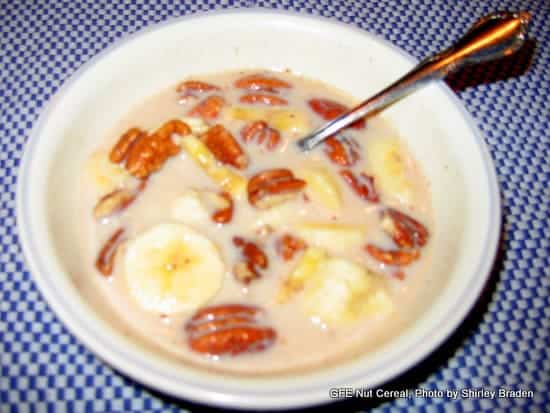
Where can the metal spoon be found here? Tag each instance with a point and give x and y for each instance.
(493, 36)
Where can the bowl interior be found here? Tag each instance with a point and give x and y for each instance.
(440, 134)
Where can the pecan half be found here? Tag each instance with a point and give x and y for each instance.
(245, 272)
(106, 257)
(195, 87)
(261, 132)
(329, 109)
(117, 201)
(405, 231)
(224, 214)
(264, 98)
(253, 260)
(343, 152)
(225, 147)
(288, 245)
(362, 186)
(150, 152)
(272, 187)
(392, 257)
(209, 108)
(229, 329)
(261, 82)
(120, 150)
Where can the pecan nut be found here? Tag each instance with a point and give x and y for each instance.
(209, 108)
(116, 201)
(254, 259)
(362, 186)
(120, 150)
(261, 132)
(272, 187)
(343, 151)
(195, 87)
(405, 231)
(106, 257)
(329, 109)
(225, 147)
(392, 257)
(288, 245)
(261, 83)
(149, 153)
(270, 100)
(229, 329)
(224, 214)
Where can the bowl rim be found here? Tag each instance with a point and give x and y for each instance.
(429, 342)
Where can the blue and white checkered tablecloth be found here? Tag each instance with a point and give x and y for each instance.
(503, 343)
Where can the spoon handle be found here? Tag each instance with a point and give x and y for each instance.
(493, 36)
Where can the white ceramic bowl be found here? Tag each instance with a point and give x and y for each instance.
(441, 135)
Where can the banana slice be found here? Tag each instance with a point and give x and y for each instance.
(189, 208)
(379, 304)
(293, 122)
(321, 187)
(104, 175)
(278, 216)
(304, 271)
(198, 125)
(172, 268)
(229, 180)
(334, 237)
(337, 292)
(389, 163)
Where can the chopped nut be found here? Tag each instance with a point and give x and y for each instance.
(270, 100)
(261, 132)
(229, 329)
(260, 82)
(272, 187)
(404, 230)
(343, 152)
(392, 257)
(329, 110)
(120, 150)
(195, 87)
(225, 147)
(363, 186)
(224, 214)
(117, 201)
(288, 246)
(209, 108)
(254, 258)
(149, 153)
(245, 272)
(106, 257)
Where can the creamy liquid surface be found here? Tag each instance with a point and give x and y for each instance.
(302, 343)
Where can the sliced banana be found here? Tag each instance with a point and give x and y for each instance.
(172, 268)
(379, 304)
(228, 179)
(389, 163)
(334, 291)
(198, 125)
(104, 175)
(278, 216)
(337, 293)
(321, 187)
(304, 271)
(334, 237)
(189, 208)
(294, 122)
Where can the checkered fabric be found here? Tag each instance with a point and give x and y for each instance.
(503, 343)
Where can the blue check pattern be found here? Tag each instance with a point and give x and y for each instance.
(502, 344)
